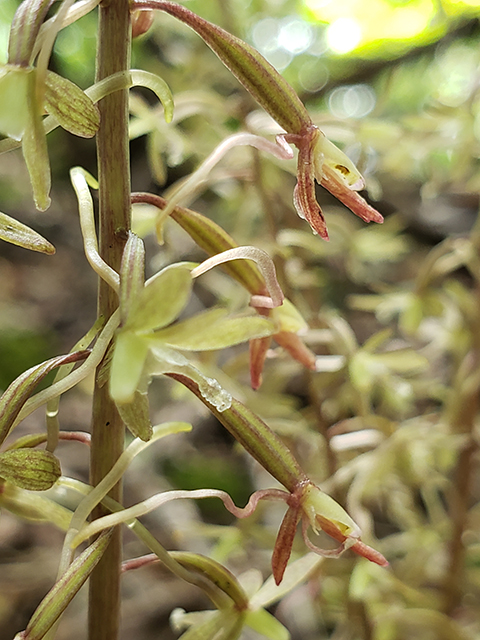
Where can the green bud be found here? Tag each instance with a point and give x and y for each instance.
(25, 27)
(30, 468)
(211, 238)
(132, 274)
(62, 593)
(72, 108)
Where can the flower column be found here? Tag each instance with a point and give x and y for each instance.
(113, 55)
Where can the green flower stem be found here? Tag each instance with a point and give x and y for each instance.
(126, 516)
(187, 190)
(166, 558)
(264, 263)
(211, 238)
(250, 68)
(116, 473)
(76, 376)
(113, 56)
(87, 222)
(53, 425)
(256, 437)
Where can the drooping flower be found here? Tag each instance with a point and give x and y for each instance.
(318, 159)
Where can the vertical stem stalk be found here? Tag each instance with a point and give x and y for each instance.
(113, 55)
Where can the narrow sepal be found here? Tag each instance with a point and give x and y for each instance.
(15, 232)
(162, 299)
(350, 198)
(35, 151)
(136, 416)
(296, 348)
(62, 593)
(127, 365)
(212, 330)
(132, 274)
(258, 354)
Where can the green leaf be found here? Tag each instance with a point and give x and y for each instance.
(62, 593)
(31, 469)
(211, 330)
(136, 416)
(161, 301)
(15, 232)
(127, 365)
(132, 274)
(73, 109)
(18, 392)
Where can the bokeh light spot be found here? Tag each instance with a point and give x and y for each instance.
(344, 35)
(353, 101)
(295, 35)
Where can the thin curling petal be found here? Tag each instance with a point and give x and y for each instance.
(350, 542)
(347, 196)
(264, 263)
(292, 343)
